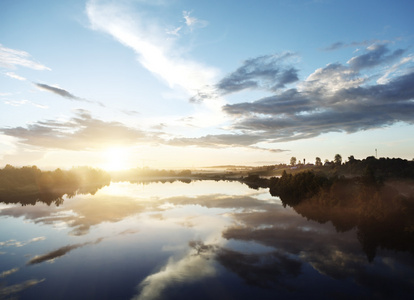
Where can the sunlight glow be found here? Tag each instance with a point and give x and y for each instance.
(116, 159)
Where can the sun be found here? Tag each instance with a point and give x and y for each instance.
(116, 158)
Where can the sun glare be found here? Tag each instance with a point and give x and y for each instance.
(116, 159)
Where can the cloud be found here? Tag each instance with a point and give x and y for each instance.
(15, 76)
(10, 58)
(174, 31)
(24, 102)
(335, 46)
(218, 140)
(192, 22)
(224, 141)
(335, 98)
(58, 91)
(63, 93)
(264, 72)
(341, 45)
(132, 27)
(82, 132)
(395, 69)
(130, 112)
(376, 55)
(332, 78)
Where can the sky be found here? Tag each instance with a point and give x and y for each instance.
(188, 84)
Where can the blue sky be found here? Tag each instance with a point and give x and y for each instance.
(170, 84)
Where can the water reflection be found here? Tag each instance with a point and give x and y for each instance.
(187, 270)
(29, 185)
(51, 256)
(210, 240)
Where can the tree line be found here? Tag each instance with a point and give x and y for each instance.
(27, 185)
(382, 167)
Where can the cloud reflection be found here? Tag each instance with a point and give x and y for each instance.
(14, 243)
(6, 291)
(8, 272)
(264, 270)
(59, 252)
(189, 269)
(80, 213)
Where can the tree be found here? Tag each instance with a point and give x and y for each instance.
(338, 159)
(318, 161)
(351, 159)
(293, 161)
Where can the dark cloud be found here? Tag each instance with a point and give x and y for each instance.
(79, 133)
(340, 45)
(377, 54)
(224, 140)
(335, 46)
(63, 93)
(290, 101)
(218, 140)
(58, 91)
(202, 95)
(335, 98)
(264, 72)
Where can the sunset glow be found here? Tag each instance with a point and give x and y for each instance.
(116, 159)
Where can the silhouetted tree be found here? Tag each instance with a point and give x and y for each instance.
(293, 161)
(318, 161)
(338, 159)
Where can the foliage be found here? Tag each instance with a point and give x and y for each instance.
(381, 168)
(318, 161)
(293, 188)
(27, 185)
(338, 159)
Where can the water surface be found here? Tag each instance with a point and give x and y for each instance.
(204, 240)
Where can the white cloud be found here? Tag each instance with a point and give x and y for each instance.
(161, 54)
(155, 51)
(24, 102)
(15, 76)
(174, 31)
(192, 22)
(10, 58)
(331, 79)
(394, 69)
